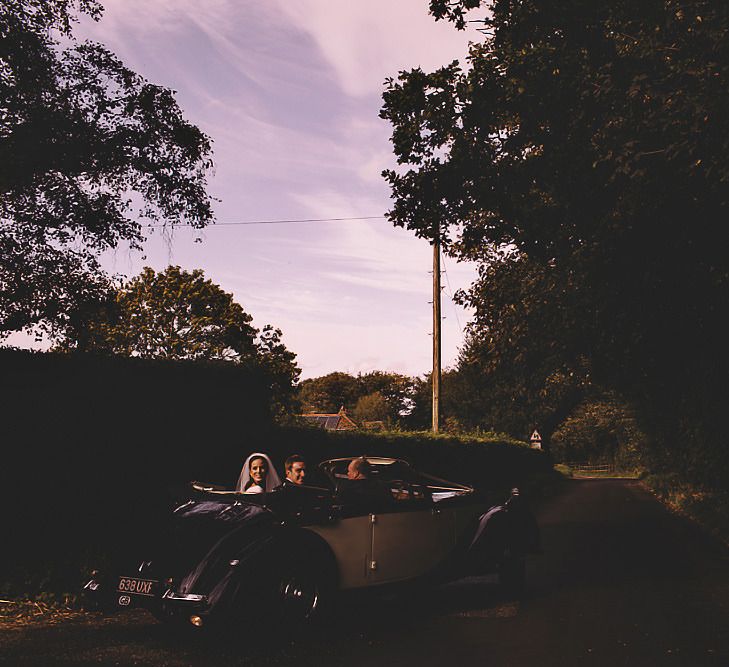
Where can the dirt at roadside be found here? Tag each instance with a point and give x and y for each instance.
(27, 614)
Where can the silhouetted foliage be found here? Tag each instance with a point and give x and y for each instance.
(92, 444)
(176, 314)
(601, 430)
(419, 417)
(97, 450)
(519, 367)
(89, 151)
(586, 143)
(279, 364)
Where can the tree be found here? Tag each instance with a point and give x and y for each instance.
(177, 314)
(587, 143)
(280, 366)
(89, 152)
(173, 314)
(601, 430)
(419, 417)
(396, 389)
(519, 367)
(372, 408)
(330, 392)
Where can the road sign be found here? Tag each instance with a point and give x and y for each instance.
(536, 440)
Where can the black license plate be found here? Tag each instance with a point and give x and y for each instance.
(134, 586)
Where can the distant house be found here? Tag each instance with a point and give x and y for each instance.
(335, 422)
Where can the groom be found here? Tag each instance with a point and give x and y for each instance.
(295, 467)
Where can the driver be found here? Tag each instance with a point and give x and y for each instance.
(359, 468)
(359, 491)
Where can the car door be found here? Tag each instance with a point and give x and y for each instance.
(350, 540)
(412, 538)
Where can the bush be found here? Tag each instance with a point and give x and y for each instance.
(90, 443)
(709, 507)
(98, 448)
(481, 461)
(602, 430)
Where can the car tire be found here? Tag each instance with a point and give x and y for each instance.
(302, 591)
(305, 584)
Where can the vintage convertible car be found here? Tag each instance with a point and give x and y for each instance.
(229, 556)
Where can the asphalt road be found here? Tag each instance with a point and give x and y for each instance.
(622, 582)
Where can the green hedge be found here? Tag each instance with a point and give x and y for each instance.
(483, 462)
(90, 443)
(97, 449)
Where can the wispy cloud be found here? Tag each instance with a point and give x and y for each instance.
(365, 42)
(289, 90)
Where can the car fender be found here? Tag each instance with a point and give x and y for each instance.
(490, 537)
(259, 563)
(305, 543)
(227, 568)
(510, 527)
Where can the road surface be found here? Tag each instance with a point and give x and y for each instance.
(622, 582)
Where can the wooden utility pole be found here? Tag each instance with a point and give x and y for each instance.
(436, 329)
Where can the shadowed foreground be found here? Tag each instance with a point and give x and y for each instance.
(622, 582)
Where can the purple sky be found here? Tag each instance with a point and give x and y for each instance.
(289, 91)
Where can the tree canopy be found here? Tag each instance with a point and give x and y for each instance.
(583, 147)
(372, 408)
(173, 314)
(89, 152)
(389, 396)
(176, 314)
(519, 367)
(602, 429)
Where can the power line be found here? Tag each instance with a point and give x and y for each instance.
(272, 222)
(450, 294)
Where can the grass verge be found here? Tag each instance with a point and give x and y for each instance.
(708, 507)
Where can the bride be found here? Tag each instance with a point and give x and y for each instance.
(258, 475)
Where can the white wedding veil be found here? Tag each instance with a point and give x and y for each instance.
(272, 478)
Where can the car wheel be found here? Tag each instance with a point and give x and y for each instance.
(299, 597)
(304, 588)
(301, 592)
(512, 573)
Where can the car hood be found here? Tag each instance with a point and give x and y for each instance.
(205, 535)
(223, 512)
